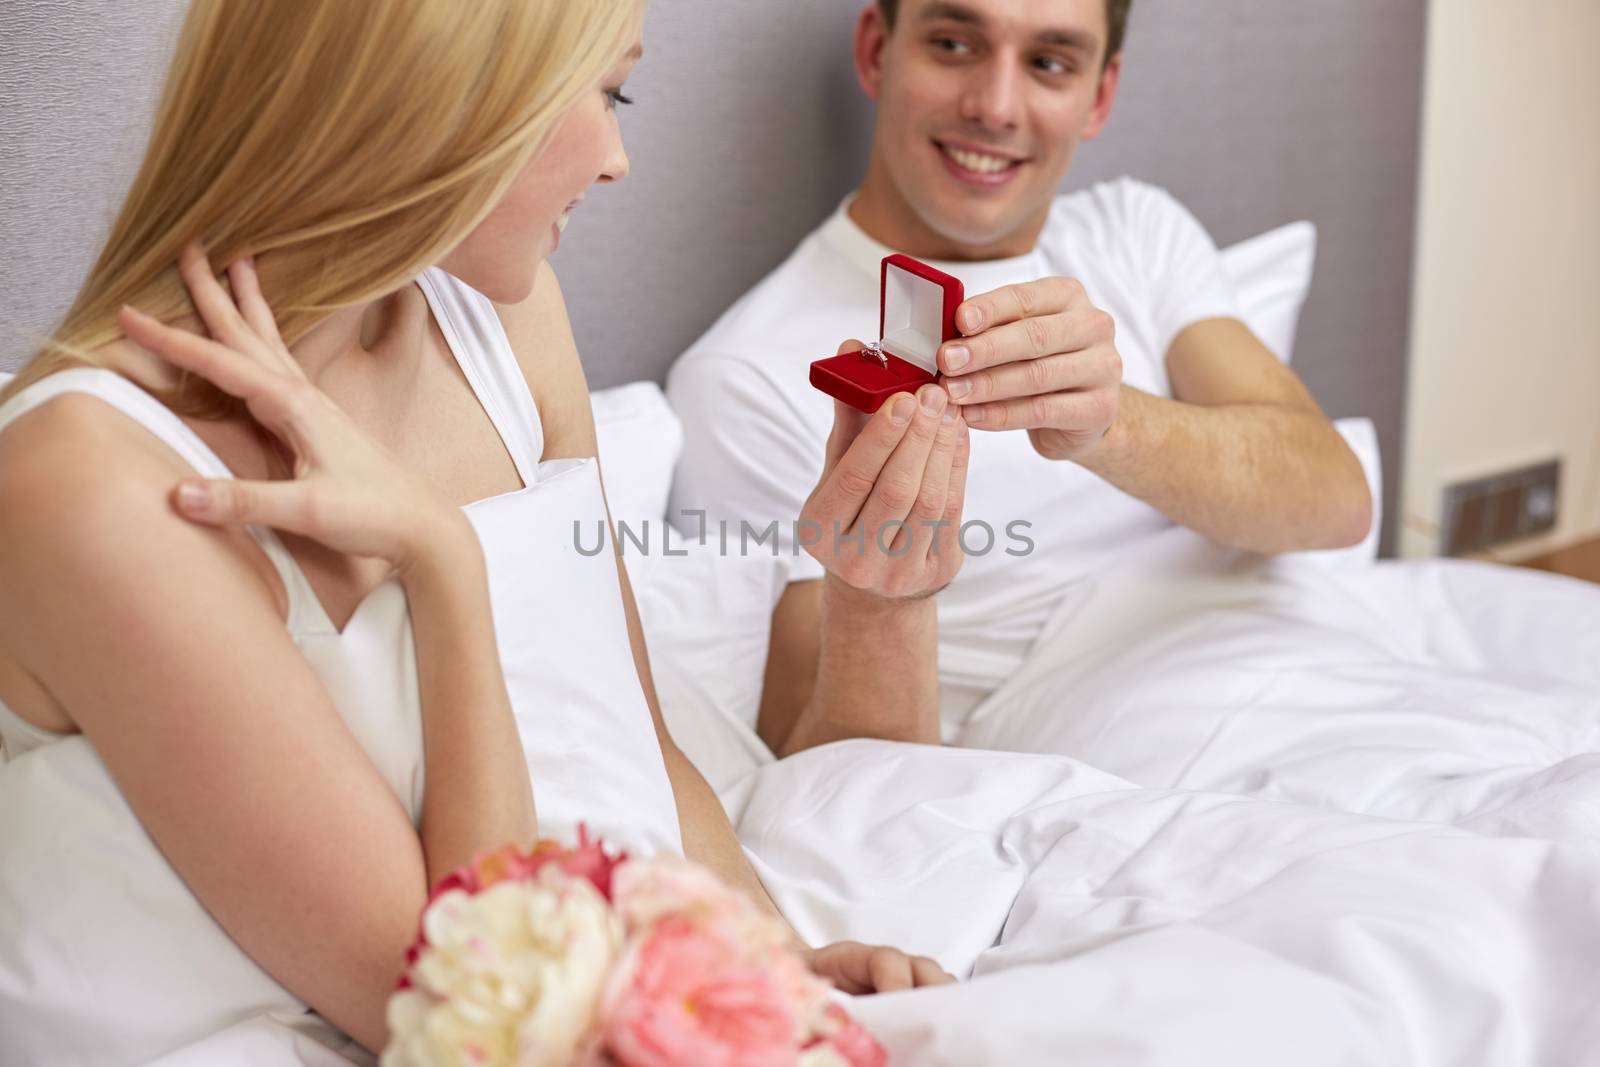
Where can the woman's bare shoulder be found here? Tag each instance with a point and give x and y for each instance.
(80, 480)
(541, 337)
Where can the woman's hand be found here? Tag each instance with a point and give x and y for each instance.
(347, 492)
(855, 968)
(886, 516)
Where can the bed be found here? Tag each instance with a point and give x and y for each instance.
(1322, 809)
(1314, 809)
(1319, 808)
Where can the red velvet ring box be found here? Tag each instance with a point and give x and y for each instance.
(916, 314)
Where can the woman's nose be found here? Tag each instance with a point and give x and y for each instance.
(616, 164)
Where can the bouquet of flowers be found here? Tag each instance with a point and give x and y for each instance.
(573, 957)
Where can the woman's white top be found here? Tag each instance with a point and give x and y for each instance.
(105, 957)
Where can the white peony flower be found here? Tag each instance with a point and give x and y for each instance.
(512, 976)
(822, 1056)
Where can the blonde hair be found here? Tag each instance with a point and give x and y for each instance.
(358, 141)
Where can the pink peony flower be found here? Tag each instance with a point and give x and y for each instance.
(845, 1039)
(685, 995)
(645, 891)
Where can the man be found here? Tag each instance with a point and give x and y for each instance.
(1098, 323)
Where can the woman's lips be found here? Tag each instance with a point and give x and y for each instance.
(560, 225)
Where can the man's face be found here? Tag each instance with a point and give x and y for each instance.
(981, 107)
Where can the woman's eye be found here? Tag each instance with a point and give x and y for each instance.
(614, 98)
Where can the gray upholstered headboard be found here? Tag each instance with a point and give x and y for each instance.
(750, 128)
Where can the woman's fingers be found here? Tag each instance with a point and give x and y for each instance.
(889, 970)
(216, 307)
(287, 505)
(252, 305)
(928, 972)
(233, 373)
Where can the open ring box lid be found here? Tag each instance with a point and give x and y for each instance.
(916, 314)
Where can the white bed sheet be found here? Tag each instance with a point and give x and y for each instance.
(1298, 815)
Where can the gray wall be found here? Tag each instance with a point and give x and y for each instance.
(750, 128)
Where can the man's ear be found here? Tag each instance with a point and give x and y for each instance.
(1105, 96)
(872, 32)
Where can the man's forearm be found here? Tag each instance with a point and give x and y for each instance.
(1263, 477)
(877, 671)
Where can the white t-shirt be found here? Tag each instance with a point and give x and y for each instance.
(755, 429)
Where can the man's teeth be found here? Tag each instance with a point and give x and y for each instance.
(977, 161)
(561, 223)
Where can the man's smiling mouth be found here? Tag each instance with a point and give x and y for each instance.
(978, 165)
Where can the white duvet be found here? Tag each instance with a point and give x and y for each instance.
(1292, 814)
(1305, 816)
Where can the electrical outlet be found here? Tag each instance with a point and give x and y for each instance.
(1488, 511)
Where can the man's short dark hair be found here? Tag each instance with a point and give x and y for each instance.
(1116, 21)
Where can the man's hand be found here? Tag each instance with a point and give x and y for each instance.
(855, 968)
(885, 517)
(1040, 357)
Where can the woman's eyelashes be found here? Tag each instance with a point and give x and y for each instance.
(614, 97)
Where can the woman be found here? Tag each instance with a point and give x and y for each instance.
(410, 417)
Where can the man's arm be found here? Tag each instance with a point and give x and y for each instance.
(844, 663)
(1244, 455)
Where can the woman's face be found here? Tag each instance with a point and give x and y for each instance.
(501, 257)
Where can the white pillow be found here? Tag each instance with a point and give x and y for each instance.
(707, 619)
(1271, 273)
(706, 616)
(640, 440)
(1362, 437)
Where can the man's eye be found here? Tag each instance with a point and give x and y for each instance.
(950, 46)
(614, 97)
(1052, 65)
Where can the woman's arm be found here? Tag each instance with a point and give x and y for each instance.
(161, 634)
(478, 793)
(542, 338)
(162, 641)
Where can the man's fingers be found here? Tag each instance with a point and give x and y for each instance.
(1009, 303)
(848, 422)
(929, 510)
(895, 490)
(995, 378)
(845, 489)
(850, 346)
(1061, 411)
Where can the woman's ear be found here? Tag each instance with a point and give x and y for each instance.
(872, 31)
